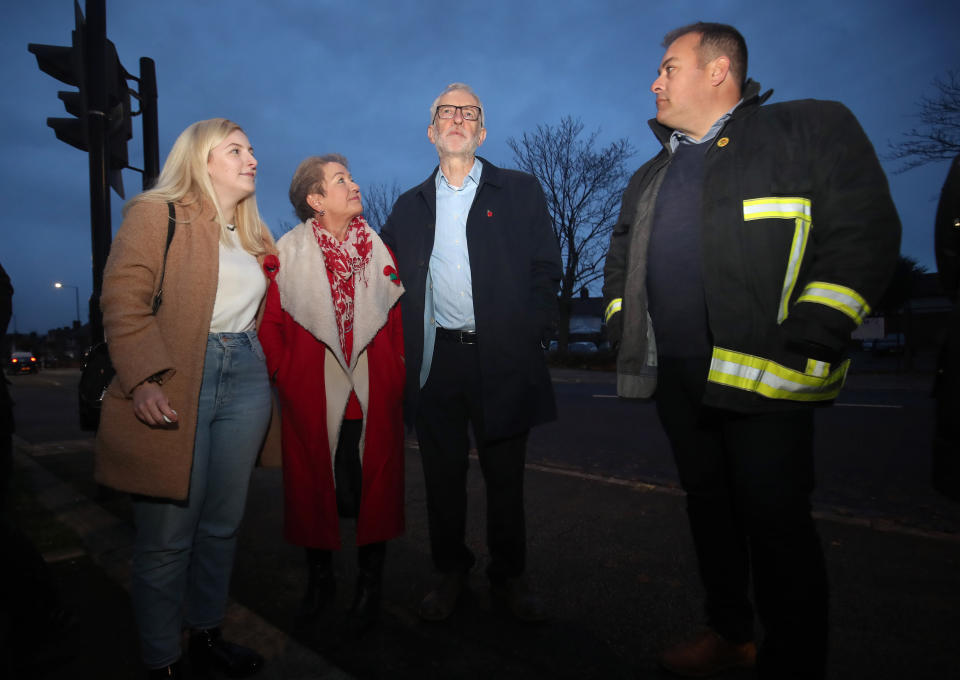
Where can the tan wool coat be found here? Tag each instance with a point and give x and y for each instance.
(130, 455)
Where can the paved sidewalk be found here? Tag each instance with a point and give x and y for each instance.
(95, 582)
(612, 556)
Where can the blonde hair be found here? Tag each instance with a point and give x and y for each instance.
(185, 180)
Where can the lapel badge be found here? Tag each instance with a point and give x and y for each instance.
(723, 141)
(489, 213)
(391, 274)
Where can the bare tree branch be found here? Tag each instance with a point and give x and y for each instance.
(583, 187)
(378, 200)
(938, 136)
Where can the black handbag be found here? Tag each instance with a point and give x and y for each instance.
(96, 370)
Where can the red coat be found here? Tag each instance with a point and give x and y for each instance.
(314, 382)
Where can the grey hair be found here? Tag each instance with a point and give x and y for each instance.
(453, 87)
(308, 179)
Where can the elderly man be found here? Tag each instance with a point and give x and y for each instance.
(480, 262)
(745, 253)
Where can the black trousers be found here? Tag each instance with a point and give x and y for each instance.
(450, 403)
(347, 472)
(748, 479)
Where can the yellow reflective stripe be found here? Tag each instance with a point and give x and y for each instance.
(817, 368)
(799, 210)
(612, 309)
(770, 379)
(840, 298)
(801, 233)
(777, 208)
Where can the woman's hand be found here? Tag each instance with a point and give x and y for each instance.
(151, 406)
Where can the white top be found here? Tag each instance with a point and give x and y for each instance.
(240, 287)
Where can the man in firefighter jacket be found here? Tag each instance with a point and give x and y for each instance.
(745, 253)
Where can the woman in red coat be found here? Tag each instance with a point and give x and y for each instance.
(332, 336)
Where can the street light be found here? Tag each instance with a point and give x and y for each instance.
(76, 297)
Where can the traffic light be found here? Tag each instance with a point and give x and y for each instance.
(119, 124)
(102, 123)
(77, 66)
(67, 64)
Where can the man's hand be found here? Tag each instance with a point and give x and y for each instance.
(151, 406)
(615, 331)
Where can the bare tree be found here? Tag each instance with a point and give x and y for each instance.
(583, 188)
(378, 200)
(938, 137)
(900, 289)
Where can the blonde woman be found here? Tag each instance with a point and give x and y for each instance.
(189, 409)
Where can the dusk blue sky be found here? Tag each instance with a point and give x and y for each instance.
(311, 76)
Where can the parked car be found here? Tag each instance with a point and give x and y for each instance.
(22, 362)
(574, 347)
(891, 343)
(581, 347)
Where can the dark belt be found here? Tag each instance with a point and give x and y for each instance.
(463, 337)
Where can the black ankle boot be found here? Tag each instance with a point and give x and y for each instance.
(365, 612)
(209, 651)
(321, 586)
(174, 670)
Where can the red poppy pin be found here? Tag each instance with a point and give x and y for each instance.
(391, 273)
(489, 213)
(271, 264)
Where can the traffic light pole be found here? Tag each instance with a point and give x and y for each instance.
(100, 227)
(102, 124)
(148, 109)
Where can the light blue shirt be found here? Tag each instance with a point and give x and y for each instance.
(677, 137)
(450, 262)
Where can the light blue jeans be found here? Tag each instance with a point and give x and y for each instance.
(183, 551)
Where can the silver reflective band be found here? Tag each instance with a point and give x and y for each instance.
(769, 379)
(612, 309)
(838, 297)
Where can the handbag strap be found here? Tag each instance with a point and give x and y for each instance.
(171, 227)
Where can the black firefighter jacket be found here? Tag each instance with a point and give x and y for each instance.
(799, 238)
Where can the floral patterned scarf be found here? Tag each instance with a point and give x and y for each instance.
(346, 262)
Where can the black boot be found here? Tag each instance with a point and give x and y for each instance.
(210, 652)
(365, 611)
(174, 670)
(321, 586)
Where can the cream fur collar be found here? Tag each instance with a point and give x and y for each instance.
(305, 291)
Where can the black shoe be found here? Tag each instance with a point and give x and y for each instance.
(365, 612)
(174, 670)
(514, 597)
(321, 588)
(209, 651)
(440, 602)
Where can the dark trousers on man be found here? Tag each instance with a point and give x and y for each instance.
(451, 402)
(748, 479)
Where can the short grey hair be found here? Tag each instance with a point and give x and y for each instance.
(308, 179)
(453, 87)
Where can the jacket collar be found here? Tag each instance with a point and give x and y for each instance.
(752, 99)
(491, 174)
(305, 291)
